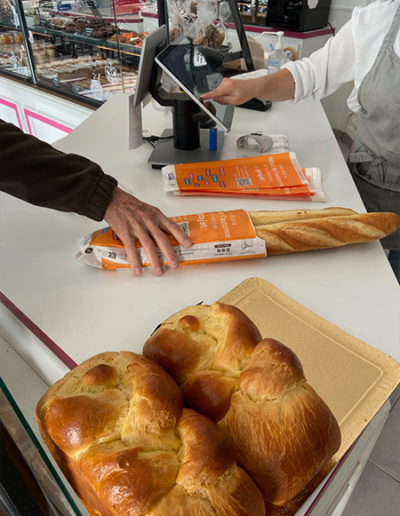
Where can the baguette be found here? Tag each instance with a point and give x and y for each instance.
(260, 218)
(323, 233)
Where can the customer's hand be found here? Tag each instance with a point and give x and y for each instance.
(231, 91)
(134, 220)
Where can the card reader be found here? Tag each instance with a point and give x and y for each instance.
(257, 105)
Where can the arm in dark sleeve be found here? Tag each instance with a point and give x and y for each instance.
(35, 172)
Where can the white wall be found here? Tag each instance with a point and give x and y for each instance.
(341, 10)
(46, 116)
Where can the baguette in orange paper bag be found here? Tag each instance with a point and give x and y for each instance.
(238, 235)
(217, 237)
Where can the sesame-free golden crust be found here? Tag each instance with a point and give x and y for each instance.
(261, 218)
(116, 426)
(281, 430)
(294, 236)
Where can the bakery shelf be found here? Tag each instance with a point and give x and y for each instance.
(54, 59)
(46, 43)
(85, 40)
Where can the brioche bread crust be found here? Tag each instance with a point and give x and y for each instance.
(282, 432)
(116, 426)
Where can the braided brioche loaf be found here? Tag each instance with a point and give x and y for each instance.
(116, 427)
(306, 230)
(281, 430)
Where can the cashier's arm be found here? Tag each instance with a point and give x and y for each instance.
(275, 87)
(132, 220)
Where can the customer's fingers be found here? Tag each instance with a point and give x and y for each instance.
(133, 258)
(151, 252)
(133, 220)
(176, 231)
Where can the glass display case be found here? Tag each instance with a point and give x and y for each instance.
(246, 10)
(87, 49)
(253, 11)
(13, 53)
(261, 12)
(90, 49)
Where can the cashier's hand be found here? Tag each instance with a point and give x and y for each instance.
(276, 87)
(134, 220)
(231, 91)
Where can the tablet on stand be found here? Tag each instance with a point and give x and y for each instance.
(186, 142)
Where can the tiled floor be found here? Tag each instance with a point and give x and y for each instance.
(377, 492)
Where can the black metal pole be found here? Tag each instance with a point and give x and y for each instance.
(162, 10)
(25, 36)
(242, 35)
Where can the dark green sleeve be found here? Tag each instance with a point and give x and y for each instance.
(35, 172)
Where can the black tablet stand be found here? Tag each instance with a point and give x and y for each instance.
(188, 140)
(187, 117)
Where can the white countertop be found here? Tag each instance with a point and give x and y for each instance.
(87, 311)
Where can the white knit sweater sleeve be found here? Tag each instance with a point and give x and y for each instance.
(348, 56)
(326, 69)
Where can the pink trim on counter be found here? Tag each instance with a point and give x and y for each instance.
(149, 15)
(45, 120)
(13, 106)
(59, 353)
(332, 476)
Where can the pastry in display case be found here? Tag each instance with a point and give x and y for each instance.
(84, 49)
(13, 54)
(87, 50)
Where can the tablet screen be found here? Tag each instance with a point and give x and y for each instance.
(192, 71)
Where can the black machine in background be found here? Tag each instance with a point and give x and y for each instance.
(298, 15)
(295, 15)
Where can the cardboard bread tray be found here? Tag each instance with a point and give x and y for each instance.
(353, 378)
